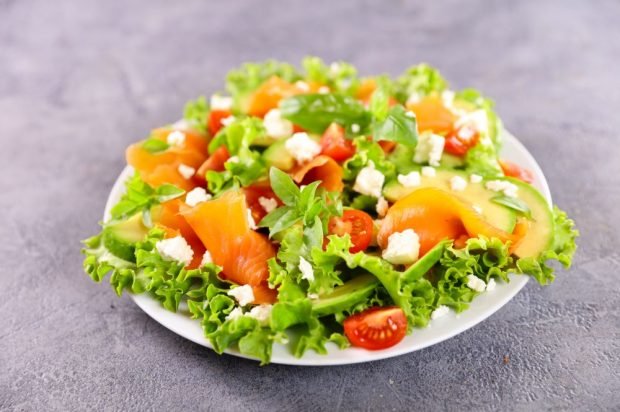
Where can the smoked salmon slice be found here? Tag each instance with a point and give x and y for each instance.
(322, 168)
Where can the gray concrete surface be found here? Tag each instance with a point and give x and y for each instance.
(80, 80)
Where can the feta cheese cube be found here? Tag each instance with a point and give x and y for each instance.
(243, 294)
(196, 195)
(221, 102)
(504, 186)
(414, 98)
(429, 171)
(491, 285)
(369, 181)
(236, 313)
(233, 159)
(429, 149)
(306, 269)
(303, 86)
(227, 121)
(474, 178)
(409, 113)
(268, 203)
(176, 249)
(277, 126)
(206, 258)
(478, 119)
(261, 313)
(411, 179)
(251, 222)
(458, 184)
(475, 283)
(440, 311)
(447, 98)
(403, 247)
(302, 147)
(323, 90)
(186, 171)
(382, 206)
(355, 128)
(176, 138)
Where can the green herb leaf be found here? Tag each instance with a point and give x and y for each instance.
(514, 204)
(398, 126)
(152, 145)
(196, 113)
(284, 186)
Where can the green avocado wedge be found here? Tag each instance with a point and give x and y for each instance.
(120, 238)
(343, 297)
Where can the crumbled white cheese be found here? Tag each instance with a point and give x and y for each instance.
(429, 171)
(403, 247)
(447, 98)
(491, 285)
(268, 203)
(221, 102)
(458, 184)
(440, 311)
(227, 121)
(382, 206)
(306, 269)
(261, 313)
(477, 208)
(251, 222)
(186, 171)
(175, 248)
(176, 138)
(414, 98)
(277, 126)
(303, 86)
(504, 186)
(474, 178)
(429, 149)
(409, 113)
(369, 181)
(196, 195)
(236, 313)
(302, 147)
(411, 179)
(323, 90)
(355, 128)
(206, 258)
(233, 159)
(478, 119)
(243, 294)
(475, 283)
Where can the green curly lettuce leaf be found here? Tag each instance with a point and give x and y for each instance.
(340, 77)
(420, 80)
(368, 151)
(196, 113)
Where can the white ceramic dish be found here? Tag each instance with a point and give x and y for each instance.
(439, 330)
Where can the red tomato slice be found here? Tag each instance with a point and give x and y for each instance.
(387, 145)
(376, 328)
(252, 195)
(459, 141)
(214, 123)
(357, 224)
(335, 145)
(514, 170)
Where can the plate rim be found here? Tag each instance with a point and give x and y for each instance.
(170, 319)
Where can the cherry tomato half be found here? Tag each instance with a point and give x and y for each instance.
(214, 123)
(376, 328)
(335, 145)
(514, 170)
(459, 141)
(357, 224)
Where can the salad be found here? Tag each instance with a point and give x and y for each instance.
(306, 206)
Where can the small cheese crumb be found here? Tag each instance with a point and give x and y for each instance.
(414, 98)
(411, 179)
(477, 119)
(303, 86)
(176, 138)
(369, 181)
(429, 149)
(447, 98)
(429, 171)
(403, 247)
(251, 221)
(474, 178)
(196, 195)
(261, 313)
(176, 249)
(491, 285)
(186, 171)
(323, 90)
(442, 310)
(409, 113)
(227, 121)
(206, 258)
(243, 294)
(268, 203)
(382, 206)
(236, 313)
(277, 126)
(306, 269)
(221, 102)
(302, 147)
(509, 189)
(355, 128)
(458, 184)
(233, 159)
(475, 283)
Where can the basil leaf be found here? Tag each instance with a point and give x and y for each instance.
(155, 145)
(315, 112)
(283, 186)
(398, 127)
(271, 218)
(167, 192)
(514, 204)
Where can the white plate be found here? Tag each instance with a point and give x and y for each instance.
(439, 330)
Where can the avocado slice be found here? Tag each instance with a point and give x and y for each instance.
(277, 155)
(539, 236)
(419, 268)
(120, 238)
(475, 193)
(345, 296)
(451, 161)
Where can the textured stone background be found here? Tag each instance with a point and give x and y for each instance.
(80, 80)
